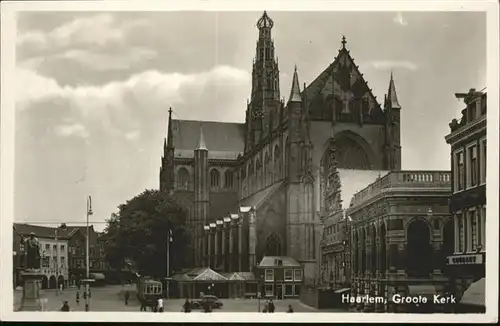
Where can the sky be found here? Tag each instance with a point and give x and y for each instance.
(93, 89)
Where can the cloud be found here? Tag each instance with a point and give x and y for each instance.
(97, 29)
(133, 135)
(75, 129)
(393, 64)
(400, 20)
(104, 61)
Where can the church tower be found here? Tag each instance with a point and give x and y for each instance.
(167, 175)
(265, 96)
(392, 128)
(201, 195)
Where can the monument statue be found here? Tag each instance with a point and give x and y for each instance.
(32, 249)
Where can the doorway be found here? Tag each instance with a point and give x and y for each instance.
(279, 291)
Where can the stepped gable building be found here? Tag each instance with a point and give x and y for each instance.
(271, 164)
(466, 230)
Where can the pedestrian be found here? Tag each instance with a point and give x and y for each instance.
(271, 306)
(290, 309)
(186, 306)
(143, 306)
(61, 288)
(77, 297)
(84, 295)
(160, 305)
(65, 306)
(127, 296)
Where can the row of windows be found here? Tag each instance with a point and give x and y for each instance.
(80, 263)
(54, 263)
(290, 275)
(471, 231)
(290, 290)
(469, 168)
(183, 179)
(47, 248)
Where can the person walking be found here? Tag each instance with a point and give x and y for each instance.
(271, 306)
(160, 305)
(61, 288)
(187, 306)
(127, 296)
(65, 306)
(290, 309)
(143, 306)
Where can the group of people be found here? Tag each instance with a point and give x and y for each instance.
(269, 307)
(158, 307)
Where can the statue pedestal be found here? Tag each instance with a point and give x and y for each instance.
(31, 291)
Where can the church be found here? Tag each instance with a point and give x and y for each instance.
(269, 174)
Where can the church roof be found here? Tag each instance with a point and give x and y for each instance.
(335, 77)
(272, 261)
(220, 138)
(209, 275)
(352, 181)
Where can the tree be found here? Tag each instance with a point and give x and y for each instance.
(139, 232)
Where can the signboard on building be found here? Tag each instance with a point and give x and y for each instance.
(473, 259)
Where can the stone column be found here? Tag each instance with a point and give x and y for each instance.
(223, 249)
(231, 246)
(402, 266)
(211, 245)
(216, 246)
(240, 246)
(31, 291)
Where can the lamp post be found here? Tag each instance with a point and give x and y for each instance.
(87, 258)
(169, 239)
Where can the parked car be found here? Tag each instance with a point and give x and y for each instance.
(211, 300)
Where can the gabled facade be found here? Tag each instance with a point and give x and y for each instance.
(273, 161)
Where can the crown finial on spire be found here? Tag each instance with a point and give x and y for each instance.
(392, 96)
(344, 42)
(265, 21)
(201, 140)
(295, 91)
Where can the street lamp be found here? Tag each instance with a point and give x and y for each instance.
(87, 258)
(169, 240)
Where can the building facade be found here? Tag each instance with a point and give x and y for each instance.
(466, 240)
(279, 277)
(77, 254)
(273, 162)
(397, 239)
(53, 254)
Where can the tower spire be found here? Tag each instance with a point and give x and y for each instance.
(201, 140)
(295, 91)
(392, 96)
(170, 138)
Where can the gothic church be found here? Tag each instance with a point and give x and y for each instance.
(274, 162)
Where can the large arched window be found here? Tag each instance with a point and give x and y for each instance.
(250, 177)
(287, 158)
(419, 260)
(350, 154)
(258, 169)
(273, 245)
(277, 162)
(182, 179)
(214, 178)
(228, 179)
(269, 169)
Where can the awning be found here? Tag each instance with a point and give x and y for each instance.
(474, 295)
(423, 290)
(344, 290)
(97, 276)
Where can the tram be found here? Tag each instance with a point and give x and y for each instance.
(149, 291)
